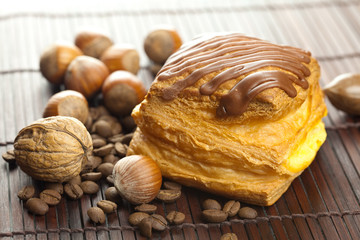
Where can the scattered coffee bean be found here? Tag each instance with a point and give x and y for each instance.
(95, 161)
(172, 185)
(145, 227)
(214, 215)
(96, 136)
(121, 149)
(116, 138)
(211, 204)
(37, 206)
(231, 207)
(112, 194)
(126, 139)
(107, 206)
(116, 128)
(146, 208)
(9, 158)
(103, 128)
(104, 150)
(106, 169)
(75, 180)
(175, 217)
(96, 215)
(110, 179)
(99, 142)
(136, 217)
(50, 197)
(159, 223)
(247, 212)
(55, 186)
(26, 192)
(168, 195)
(89, 187)
(89, 122)
(111, 158)
(73, 191)
(229, 236)
(91, 176)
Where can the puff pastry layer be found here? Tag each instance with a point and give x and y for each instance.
(244, 126)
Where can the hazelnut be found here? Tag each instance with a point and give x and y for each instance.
(53, 149)
(92, 43)
(122, 91)
(121, 57)
(67, 103)
(137, 178)
(55, 60)
(85, 75)
(161, 43)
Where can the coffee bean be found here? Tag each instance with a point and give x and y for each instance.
(172, 185)
(50, 197)
(159, 223)
(247, 212)
(214, 215)
(175, 217)
(106, 169)
(126, 139)
(89, 187)
(211, 204)
(89, 122)
(128, 123)
(145, 227)
(116, 138)
(112, 194)
(116, 128)
(121, 149)
(96, 215)
(111, 158)
(37, 206)
(96, 136)
(110, 179)
(104, 150)
(91, 176)
(55, 186)
(26, 192)
(136, 217)
(75, 180)
(9, 158)
(73, 191)
(231, 207)
(107, 206)
(146, 208)
(103, 128)
(99, 142)
(168, 195)
(229, 236)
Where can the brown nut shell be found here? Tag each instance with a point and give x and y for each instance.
(92, 43)
(121, 57)
(161, 43)
(55, 60)
(122, 91)
(137, 178)
(53, 149)
(86, 75)
(67, 103)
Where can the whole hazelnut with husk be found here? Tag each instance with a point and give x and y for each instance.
(53, 149)
(67, 103)
(137, 178)
(86, 75)
(161, 43)
(122, 91)
(121, 57)
(344, 92)
(55, 60)
(92, 43)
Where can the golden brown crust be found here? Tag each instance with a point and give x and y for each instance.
(247, 157)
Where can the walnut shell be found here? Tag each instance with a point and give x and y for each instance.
(53, 149)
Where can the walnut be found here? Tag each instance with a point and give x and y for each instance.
(53, 149)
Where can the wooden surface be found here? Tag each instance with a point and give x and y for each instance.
(323, 203)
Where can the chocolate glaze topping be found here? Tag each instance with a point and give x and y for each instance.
(230, 56)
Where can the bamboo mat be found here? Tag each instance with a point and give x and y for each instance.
(323, 203)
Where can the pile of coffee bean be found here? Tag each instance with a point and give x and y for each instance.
(214, 213)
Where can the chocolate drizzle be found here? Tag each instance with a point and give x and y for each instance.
(232, 56)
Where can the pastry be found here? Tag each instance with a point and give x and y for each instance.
(233, 115)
